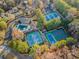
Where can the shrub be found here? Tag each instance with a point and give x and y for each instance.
(71, 40)
(60, 43)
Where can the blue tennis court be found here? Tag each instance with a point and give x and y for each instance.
(55, 35)
(34, 38)
(52, 16)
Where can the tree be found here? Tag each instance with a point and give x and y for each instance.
(2, 34)
(1, 40)
(60, 43)
(30, 2)
(1, 10)
(71, 40)
(73, 28)
(73, 12)
(11, 17)
(19, 45)
(22, 47)
(17, 34)
(10, 3)
(3, 25)
(44, 48)
(41, 17)
(39, 24)
(33, 49)
(5, 19)
(64, 8)
(74, 3)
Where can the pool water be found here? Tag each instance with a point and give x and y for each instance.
(34, 38)
(55, 35)
(23, 27)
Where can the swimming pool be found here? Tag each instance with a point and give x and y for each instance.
(33, 38)
(23, 27)
(55, 35)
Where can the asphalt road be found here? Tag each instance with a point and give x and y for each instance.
(19, 56)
